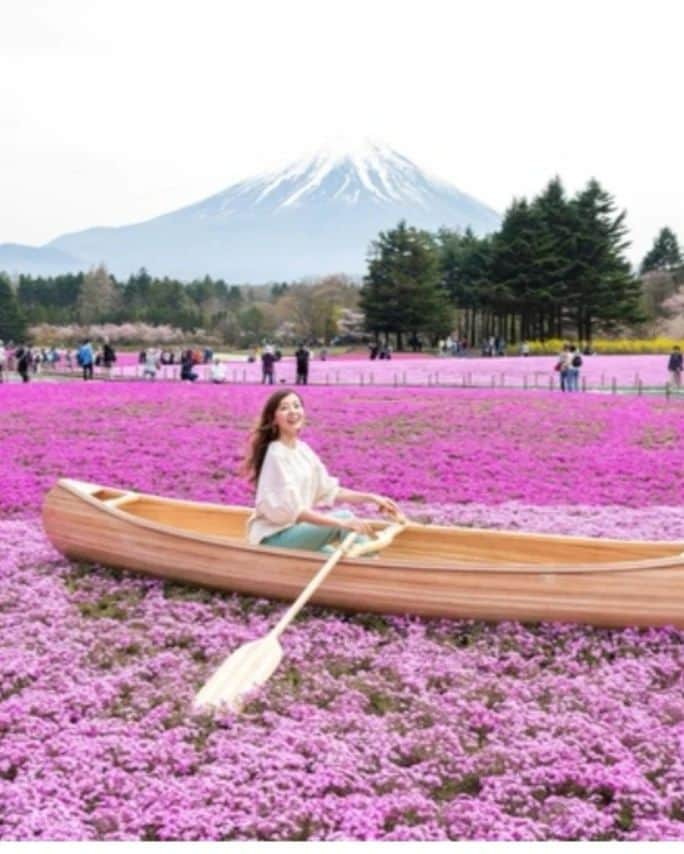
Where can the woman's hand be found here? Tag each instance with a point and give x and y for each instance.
(359, 526)
(386, 505)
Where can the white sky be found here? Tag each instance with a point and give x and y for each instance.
(113, 111)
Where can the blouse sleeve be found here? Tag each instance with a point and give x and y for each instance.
(327, 486)
(278, 499)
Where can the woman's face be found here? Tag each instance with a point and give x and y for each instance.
(289, 416)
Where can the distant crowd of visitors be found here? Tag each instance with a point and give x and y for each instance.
(28, 361)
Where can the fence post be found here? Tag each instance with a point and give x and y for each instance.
(668, 391)
(395, 383)
(613, 385)
(337, 377)
(640, 387)
(244, 375)
(493, 380)
(584, 383)
(552, 382)
(404, 377)
(525, 381)
(361, 378)
(502, 380)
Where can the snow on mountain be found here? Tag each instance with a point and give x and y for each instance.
(315, 216)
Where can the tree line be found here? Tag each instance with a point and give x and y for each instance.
(556, 268)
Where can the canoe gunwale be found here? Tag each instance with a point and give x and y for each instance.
(85, 492)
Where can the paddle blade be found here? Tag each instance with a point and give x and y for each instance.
(248, 667)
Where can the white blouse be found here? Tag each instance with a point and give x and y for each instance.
(291, 480)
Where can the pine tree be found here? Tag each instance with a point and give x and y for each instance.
(664, 255)
(12, 322)
(601, 287)
(517, 269)
(402, 292)
(556, 247)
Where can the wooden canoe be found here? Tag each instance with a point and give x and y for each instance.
(427, 570)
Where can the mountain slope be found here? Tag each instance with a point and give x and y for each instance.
(314, 217)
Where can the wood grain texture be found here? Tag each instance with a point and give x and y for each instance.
(428, 570)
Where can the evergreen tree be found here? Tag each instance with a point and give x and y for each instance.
(402, 292)
(601, 287)
(466, 262)
(518, 273)
(556, 217)
(12, 322)
(664, 254)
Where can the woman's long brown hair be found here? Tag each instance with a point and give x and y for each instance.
(264, 432)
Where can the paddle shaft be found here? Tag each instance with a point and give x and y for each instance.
(311, 587)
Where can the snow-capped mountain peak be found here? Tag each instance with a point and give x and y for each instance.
(343, 172)
(314, 216)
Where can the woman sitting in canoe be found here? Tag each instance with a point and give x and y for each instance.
(291, 482)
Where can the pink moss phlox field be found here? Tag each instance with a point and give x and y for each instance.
(373, 728)
(439, 446)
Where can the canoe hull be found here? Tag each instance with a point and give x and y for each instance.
(82, 529)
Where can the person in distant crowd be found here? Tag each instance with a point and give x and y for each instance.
(302, 359)
(108, 358)
(563, 366)
(574, 369)
(207, 355)
(415, 343)
(218, 371)
(3, 360)
(151, 363)
(187, 363)
(141, 357)
(373, 350)
(23, 356)
(268, 365)
(291, 482)
(524, 348)
(35, 360)
(85, 359)
(674, 366)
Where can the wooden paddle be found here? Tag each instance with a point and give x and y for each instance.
(254, 662)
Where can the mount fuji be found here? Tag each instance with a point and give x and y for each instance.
(316, 216)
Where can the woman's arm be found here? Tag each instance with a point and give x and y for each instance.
(351, 496)
(353, 524)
